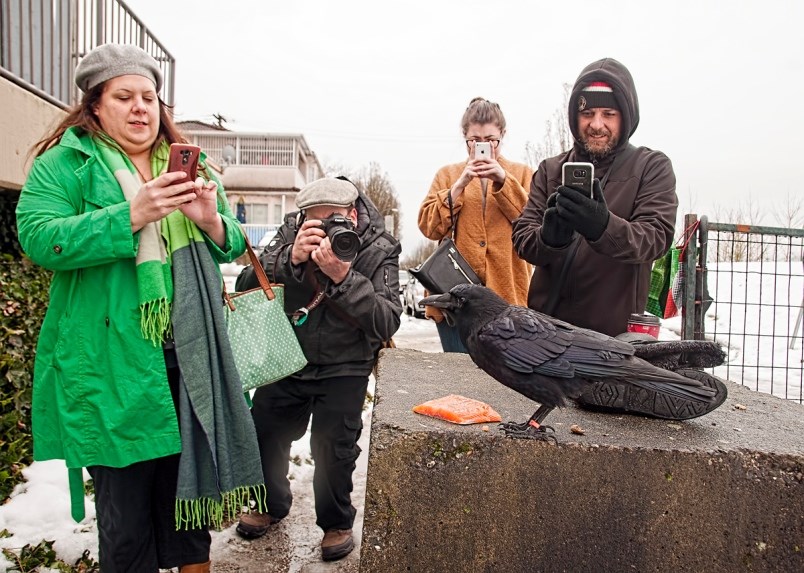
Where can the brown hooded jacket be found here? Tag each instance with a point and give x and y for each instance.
(609, 278)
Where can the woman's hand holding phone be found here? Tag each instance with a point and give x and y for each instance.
(485, 164)
(160, 197)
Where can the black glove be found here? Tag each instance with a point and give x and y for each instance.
(589, 216)
(555, 232)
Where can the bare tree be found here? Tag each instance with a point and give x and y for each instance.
(557, 137)
(374, 182)
(739, 246)
(790, 213)
(423, 250)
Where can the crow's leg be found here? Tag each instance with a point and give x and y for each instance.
(533, 428)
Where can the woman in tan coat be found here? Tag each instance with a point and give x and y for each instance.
(488, 193)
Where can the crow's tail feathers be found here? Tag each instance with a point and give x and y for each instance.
(701, 393)
(645, 375)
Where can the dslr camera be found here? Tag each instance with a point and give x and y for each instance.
(341, 232)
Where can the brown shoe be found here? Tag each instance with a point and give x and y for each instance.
(337, 543)
(255, 524)
(195, 568)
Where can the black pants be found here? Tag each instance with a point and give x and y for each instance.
(135, 509)
(281, 414)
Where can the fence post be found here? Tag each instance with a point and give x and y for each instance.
(689, 309)
(702, 297)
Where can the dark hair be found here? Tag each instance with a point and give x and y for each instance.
(83, 116)
(482, 111)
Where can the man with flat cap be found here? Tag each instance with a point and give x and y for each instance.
(340, 269)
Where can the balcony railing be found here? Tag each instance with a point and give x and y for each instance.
(229, 149)
(41, 42)
(264, 149)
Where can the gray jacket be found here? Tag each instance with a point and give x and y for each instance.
(343, 334)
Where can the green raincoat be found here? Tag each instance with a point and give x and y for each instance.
(100, 395)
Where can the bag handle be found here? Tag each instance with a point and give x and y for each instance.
(452, 221)
(685, 238)
(262, 278)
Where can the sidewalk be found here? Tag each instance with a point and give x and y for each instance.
(292, 545)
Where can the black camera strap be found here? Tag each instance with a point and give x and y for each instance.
(299, 316)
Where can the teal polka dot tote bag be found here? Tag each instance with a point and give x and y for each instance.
(264, 345)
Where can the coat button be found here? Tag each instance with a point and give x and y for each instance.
(57, 249)
(482, 243)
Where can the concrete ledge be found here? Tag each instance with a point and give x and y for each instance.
(718, 493)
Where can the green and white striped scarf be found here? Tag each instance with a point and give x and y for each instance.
(154, 280)
(180, 289)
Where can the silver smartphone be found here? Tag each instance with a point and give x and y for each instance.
(578, 175)
(483, 150)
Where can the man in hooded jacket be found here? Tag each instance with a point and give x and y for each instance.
(620, 231)
(343, 295)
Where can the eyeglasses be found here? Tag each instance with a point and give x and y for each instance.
(494, 141)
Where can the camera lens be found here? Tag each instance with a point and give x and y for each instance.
(345, 243)
(579, 173)
(344, 240)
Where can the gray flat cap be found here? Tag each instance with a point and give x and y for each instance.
(327, 191)
(112, 60)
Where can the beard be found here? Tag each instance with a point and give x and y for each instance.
(599, 149)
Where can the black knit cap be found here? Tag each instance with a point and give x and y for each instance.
(597, 94)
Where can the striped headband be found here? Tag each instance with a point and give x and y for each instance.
(597, 94)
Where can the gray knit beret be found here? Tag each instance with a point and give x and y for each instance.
(112, 60)
(327, 191)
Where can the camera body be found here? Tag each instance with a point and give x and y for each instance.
(342, 235)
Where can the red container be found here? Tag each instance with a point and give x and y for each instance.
(644, 324)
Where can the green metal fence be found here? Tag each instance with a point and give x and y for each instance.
(747, 292)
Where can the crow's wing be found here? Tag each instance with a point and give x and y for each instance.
(528, 341)
(524, 352)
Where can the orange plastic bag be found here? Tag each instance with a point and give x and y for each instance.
(458, 410)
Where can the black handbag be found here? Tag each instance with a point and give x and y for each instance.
(446, 267)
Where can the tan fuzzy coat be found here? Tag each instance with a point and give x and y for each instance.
(483, 236)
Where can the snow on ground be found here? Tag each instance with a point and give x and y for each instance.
(39, 509)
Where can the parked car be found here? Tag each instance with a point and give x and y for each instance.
(266, 238)
(413, 293)
(403, 280)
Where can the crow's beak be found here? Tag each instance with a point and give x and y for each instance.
(443, 301)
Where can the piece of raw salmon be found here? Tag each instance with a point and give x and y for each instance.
(458, 410)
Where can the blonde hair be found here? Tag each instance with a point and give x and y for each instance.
(482, 111)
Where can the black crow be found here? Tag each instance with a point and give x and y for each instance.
(546, 359)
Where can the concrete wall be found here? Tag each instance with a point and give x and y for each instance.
(24, 120)
(719, 493)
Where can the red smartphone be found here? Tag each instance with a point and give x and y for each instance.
(184, 157)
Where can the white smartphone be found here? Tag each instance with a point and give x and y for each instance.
(578, 175)
(482, 150)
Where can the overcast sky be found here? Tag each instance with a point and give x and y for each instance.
(720, 84)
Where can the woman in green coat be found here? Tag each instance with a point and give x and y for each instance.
(134, 377)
